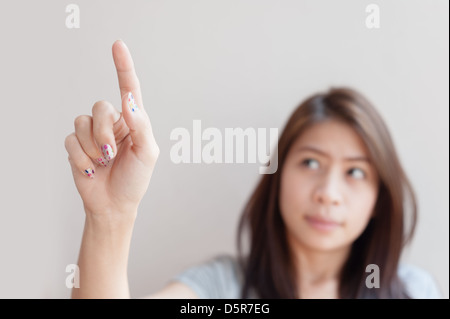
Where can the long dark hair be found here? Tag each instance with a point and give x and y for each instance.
(268, 267)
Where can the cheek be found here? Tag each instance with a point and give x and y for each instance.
(293, 194)
(362, 208)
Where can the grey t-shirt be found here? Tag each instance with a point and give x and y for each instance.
(221, 278)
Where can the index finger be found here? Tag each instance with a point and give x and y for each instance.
(128, 80)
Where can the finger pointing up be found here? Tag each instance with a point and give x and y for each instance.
(128, 80)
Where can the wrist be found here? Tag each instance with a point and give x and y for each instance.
(111, 222)
(107, 238)
(107, 215)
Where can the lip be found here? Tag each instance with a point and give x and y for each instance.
(322, 224)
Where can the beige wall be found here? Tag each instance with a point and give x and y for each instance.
(231, 64)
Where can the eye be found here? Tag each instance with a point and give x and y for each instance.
(357, 173)
(311, 163)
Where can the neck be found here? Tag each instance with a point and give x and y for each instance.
(319, 271)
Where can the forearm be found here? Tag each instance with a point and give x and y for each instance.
(103, 256)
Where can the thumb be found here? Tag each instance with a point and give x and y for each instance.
(138, 122)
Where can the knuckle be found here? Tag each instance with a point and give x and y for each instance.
(133, 87)
(69, 140)
(82, 121)
(155, 152)
(101, 107)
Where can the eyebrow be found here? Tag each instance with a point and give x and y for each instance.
(348, 159)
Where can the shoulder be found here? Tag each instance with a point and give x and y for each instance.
(418, 282)
(217, 277)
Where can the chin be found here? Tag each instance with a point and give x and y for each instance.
(323, 245)
(319, 241)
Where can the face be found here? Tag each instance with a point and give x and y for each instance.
(328, 187)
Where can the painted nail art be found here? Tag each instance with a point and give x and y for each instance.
(101, 161)
(108, 152)
(132, 103)
(89, 172)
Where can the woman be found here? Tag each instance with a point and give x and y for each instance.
(335, 208)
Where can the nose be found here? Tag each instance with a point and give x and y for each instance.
(328, 191)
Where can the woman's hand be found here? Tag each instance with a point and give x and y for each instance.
(113, 154)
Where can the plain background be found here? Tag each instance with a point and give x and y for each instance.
(233, 63)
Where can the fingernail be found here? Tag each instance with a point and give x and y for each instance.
(108, 152)
(131, 103)
(89, 172)
(123, 42)
(101, 160)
